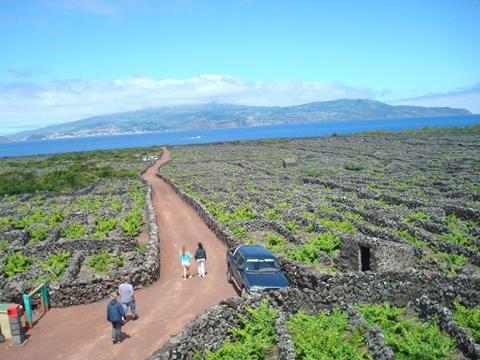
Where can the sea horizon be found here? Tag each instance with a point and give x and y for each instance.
(208, 136)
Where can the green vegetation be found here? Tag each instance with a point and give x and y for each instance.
(410, 238)
(272, 214)
(38, 233)
(73, 177)
(325, 336)
(29, 220)
(103, 263)
(103, 226)
(74, 231)
(4, 244)
(237, 231)
(459, 234)
(409, 338)
(310, 252)
(132, 222)
(353, 167)
(410, 218)
(253, 341)
(16, 263)
(142, 248)
(4, 221)
(56, 265)
(469, 318)
(55, 218)
(342, 226)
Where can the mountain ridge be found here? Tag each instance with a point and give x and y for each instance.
(219, 115)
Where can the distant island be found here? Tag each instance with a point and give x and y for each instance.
(213, 115)
(3, 139)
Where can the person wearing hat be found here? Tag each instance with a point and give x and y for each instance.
(115, 314)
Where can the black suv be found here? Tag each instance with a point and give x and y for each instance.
(252, 268)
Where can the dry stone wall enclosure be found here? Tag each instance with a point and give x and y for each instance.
(355, 221)
(82, 241)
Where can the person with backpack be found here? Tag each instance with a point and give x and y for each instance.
(200, 257)
(115, 314)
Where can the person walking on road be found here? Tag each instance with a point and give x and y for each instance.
(115, 314)
(127, 297)
(185, 257)
(200, 257)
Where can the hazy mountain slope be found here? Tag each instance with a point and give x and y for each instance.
(212, 115)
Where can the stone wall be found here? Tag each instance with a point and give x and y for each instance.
(207, 331)
(72, 290)
(398, 288)
(428, 308)
(218, 229)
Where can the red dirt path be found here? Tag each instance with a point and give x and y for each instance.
(82, 332)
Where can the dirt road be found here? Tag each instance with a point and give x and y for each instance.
(82, 332)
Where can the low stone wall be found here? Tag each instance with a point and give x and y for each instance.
(374, 338)
(286, 348)
(398, 288)
(428, 308)
(218, 229)
(71, 290)
(207, 331)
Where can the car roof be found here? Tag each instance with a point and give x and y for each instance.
(251, 251)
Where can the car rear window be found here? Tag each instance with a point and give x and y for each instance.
(262, 265)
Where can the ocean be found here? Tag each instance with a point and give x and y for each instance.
(27, 148)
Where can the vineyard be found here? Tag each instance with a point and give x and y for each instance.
(79, 214)
(356, 221)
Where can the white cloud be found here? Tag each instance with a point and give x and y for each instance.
(27, 104)
(466, 98)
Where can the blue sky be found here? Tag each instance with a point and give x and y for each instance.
(62, 60)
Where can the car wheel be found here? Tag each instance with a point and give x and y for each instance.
(244, 292)
(229, 276)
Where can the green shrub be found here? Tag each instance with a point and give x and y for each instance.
(137, 194)
(103, 226)
(469, 318)
(38, 233)
(55, 218)
(272, 214)
(292, 226)
(4, 244)
(410, 218)
(324, 336)
(237, 231)
(74, 231)
(409, 338)
(256, 337)
(132, 222)
(243, 213)
(30, 220)
(410, 238)
(16, 263)
(459, 234)
(142, 248)
(4, 221)
(342, 226)
(56, 265)
(103, 263)
(353, 167)
(116, 204)
(310, 252)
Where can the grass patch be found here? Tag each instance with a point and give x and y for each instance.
(409, 338)
(325, 336)
(16, 263)
(469, 318)
(254, 340)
